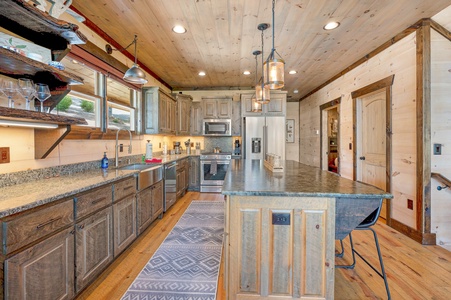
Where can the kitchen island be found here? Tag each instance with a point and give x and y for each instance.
(280, 228)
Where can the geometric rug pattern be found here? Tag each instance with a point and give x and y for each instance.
(186, 265)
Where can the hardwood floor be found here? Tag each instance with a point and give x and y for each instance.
(414, 271)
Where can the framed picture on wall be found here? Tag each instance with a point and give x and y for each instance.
(290, 131)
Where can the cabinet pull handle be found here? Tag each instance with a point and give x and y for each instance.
(98, 200)
(128, 187)
(81, 226)
(47, 223)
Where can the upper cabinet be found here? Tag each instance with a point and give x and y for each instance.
(183, 113)
(159, 114)
(39, 27)
(217, 107)
(276, 107)
(196, 119)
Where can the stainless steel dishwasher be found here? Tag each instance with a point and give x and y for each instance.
(170, 184)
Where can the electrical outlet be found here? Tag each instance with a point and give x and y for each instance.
(4, 155)
(410, 204)
(281, 219)
(437, 149)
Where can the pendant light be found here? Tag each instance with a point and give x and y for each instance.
(274, 67)
(257, 95)
(262, 91)
(134, 74)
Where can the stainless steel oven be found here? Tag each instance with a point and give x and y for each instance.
(213, 168)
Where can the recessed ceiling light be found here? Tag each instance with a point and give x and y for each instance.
(292, 72)
(247, 73)
(295, 91)
(331, 25)
(179, 29)
(202, 73)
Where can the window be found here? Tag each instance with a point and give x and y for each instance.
(76, 104)
(120, 117)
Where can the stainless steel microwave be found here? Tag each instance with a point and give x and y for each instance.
(217, 127)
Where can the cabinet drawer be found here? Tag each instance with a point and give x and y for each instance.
(24, 229)
(92, 201)
(124, 188)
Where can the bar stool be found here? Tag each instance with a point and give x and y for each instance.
(366, 225)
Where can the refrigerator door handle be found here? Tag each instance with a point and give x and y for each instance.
(265, 141)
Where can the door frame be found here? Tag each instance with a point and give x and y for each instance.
(386, 84)
(324, 107)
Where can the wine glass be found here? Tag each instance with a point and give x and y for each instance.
(27, 90)
(42, 93)
(9, 88)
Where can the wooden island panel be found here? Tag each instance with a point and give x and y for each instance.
(267, 261)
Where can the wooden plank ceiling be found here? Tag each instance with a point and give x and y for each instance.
(222, 34)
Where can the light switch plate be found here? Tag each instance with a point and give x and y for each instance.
(4, 155)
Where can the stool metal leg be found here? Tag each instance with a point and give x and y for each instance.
(351, 266)
(342, 252)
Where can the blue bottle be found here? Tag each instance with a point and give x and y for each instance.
(104, 163)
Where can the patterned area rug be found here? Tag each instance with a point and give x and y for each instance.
(186, 266)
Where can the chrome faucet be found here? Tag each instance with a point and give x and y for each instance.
(117, 146)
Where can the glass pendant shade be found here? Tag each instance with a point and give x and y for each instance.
(274, 69)
(265, 93)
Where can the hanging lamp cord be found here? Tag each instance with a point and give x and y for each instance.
(135, 41)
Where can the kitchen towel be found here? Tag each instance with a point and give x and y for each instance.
(186, 266)
(213, 167)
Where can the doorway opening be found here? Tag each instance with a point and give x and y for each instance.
(330, 136)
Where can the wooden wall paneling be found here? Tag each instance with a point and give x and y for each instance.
(423, 213)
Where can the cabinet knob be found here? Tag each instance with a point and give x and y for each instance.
(362, 157)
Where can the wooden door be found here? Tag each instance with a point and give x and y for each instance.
(43, 271)
(124, 223)
(371, 164)
(94, 246)
(144, 204)
(196, 119)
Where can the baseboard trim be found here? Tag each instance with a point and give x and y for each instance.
(422, 238)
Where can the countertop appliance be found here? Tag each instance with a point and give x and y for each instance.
(177, 148)
(264, 135)
(237, 147)
(213, 168)
(217, 127)
(170, 185)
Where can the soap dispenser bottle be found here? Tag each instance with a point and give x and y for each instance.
(104, 162)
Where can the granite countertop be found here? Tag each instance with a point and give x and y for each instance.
(251, 178)
(21, 197)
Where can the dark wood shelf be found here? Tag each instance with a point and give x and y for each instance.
(24, 19)
(35, 116)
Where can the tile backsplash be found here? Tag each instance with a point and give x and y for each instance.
(225, 143)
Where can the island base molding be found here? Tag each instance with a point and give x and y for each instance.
(279, 247)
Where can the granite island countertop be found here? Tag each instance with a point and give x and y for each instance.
(21, 197)
(251, 178)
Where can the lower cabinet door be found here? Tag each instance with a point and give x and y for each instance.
(124, 223)
(94, 246)
(157, 200)
(144, 201)
(43, 271)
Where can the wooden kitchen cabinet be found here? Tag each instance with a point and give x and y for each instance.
(183, 114)
(94, 246)
(159, 113)
(43, 271)
(236, 118)
(194, 173)
(124, 223)
(276, 106)
(196, 118)
(217, 108)
(149, 205)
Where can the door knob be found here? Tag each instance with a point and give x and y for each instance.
(362, 157)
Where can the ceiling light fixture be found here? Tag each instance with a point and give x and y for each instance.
(179, 29)
(257, 95)
(262, 91)
(292, 72)
(202, 73)
(134, 74)
(295, 91)
(331, 25)
(274, 67)
(247, 72)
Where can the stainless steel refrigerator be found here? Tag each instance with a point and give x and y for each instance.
(264, 135)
